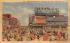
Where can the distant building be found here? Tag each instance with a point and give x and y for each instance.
(9, 21)
(46, 11)
(57, 21)
(48, 17)
(6, 18)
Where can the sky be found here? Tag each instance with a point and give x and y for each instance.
(23, 10)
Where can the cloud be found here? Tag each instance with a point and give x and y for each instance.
(24, 15)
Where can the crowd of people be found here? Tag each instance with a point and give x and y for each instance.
(30, 34)
(55, 35)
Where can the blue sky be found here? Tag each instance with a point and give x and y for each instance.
(37, 4)
(23, 10)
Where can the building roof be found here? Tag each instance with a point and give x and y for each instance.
(57, 19)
